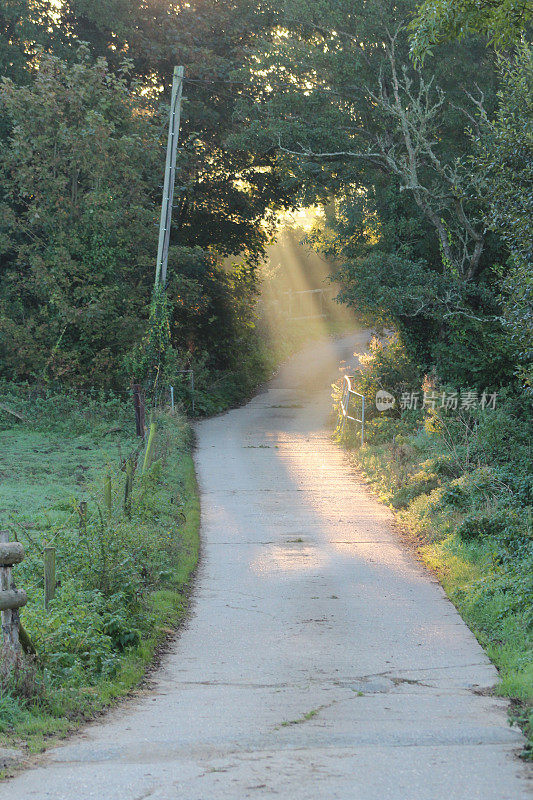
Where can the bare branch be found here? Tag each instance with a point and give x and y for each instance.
(307, 152)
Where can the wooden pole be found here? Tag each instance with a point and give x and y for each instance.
(149, 446)
(49, 575)
(82, 511)
(128, 487)
(25, 642)
(108, 496)
(170, 171)
(10, 617)
(138, 404)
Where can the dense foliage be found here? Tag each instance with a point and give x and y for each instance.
(423, 170)
(502, 21)
(422, 164)
(82, 137)
(78, 175)
(504, 158)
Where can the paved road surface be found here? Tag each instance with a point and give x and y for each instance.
(321, 662)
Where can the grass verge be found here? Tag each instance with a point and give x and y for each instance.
(473, 532)
(458, 471)
(123, 570)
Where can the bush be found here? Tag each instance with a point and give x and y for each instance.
(70, 638)
(506, 528)
(387, 366)
(520, 485)
(52, 408)
(421, 483)
(479, 526)
(480, 485)
(442, 465)
(503, 435)
(504, 598)
(11, 712)
(382, 429)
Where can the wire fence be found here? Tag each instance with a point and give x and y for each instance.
(97, 503)
(100, 514)
(100, 505)
(178, 390)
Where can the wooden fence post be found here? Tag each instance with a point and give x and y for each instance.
(82, 511)
(108, 495)
(49, 575)
(128, 487)
(11, 599)
(149, 447)
(139, 405)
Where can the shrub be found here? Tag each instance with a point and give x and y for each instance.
(445, 466)
(504, 434)
(11, 712)
(421, 483)
(474, 487)
(520, 485)
(387, 366)
(478, 526)
(382, 429)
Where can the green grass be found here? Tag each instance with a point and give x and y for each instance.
(304, 718)
(123, 582)
(488, 576)
(44, 471)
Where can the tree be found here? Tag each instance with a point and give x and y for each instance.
(80, 184)
(501, 21)
(385, 141)
(223, 193)
(503, 158)
(380, 115)
(78, 175)
(504, 164)
(24, 27)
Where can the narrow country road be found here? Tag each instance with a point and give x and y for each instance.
(320, 662)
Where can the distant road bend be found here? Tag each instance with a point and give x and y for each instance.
(320, 662)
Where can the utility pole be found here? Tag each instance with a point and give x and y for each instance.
(170, 171)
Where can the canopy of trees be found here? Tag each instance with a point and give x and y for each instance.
(410, 124)
(82, 136)
(424, 165)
